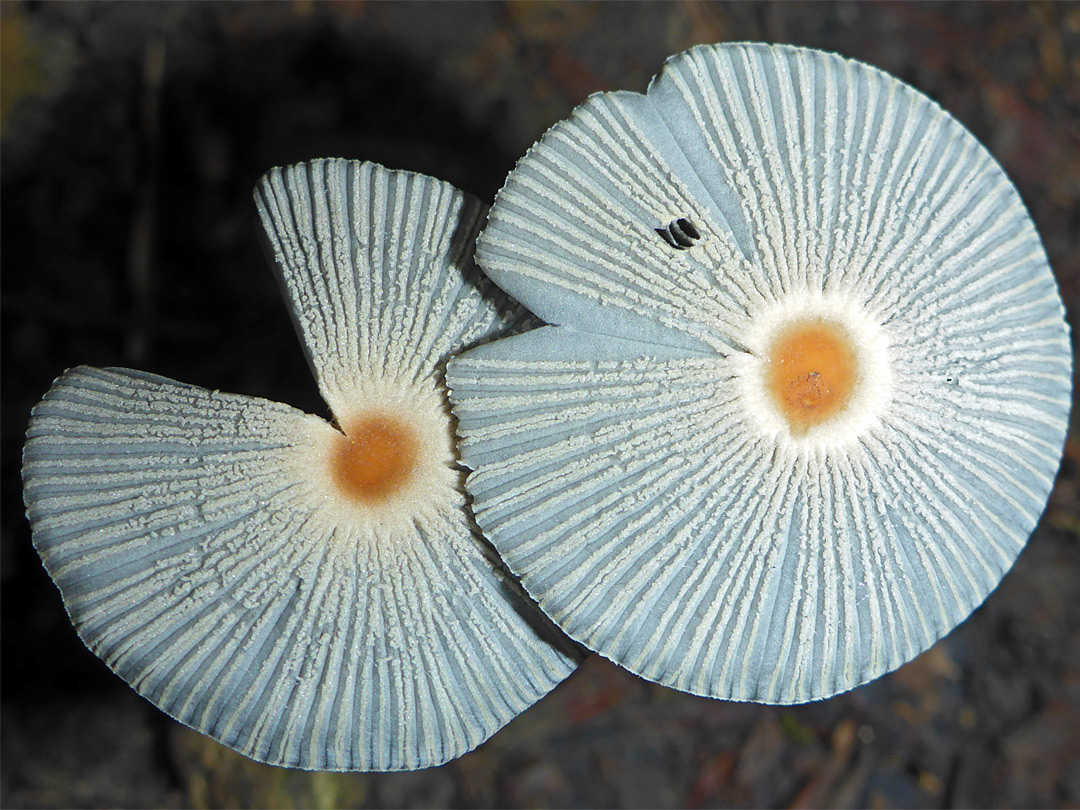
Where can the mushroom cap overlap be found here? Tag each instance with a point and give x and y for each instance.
(207, 553)
(630, 464)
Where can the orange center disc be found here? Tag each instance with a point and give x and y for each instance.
(812, 372)
(374, 458)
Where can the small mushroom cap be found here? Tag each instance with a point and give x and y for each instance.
(310, 597)
(806, 385)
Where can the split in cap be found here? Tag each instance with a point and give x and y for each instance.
(806, 385)
(310, 594)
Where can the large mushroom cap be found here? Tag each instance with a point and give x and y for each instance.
(312, 596)
(806, 387)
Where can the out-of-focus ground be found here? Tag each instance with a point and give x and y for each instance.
(132, 135)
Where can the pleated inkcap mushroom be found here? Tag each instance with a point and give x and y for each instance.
(805, 385)
(311, 594)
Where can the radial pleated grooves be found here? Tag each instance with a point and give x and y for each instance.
(198, 559)
(634, 534)
(630, 469)
(378, 271)
(244, 565)
(588, 205)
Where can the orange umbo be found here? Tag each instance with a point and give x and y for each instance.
(374, 458)
(812, 372)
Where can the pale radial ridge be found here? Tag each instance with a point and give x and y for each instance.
(624, 462)
(377, 268)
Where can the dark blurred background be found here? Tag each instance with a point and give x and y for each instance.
(132, 135)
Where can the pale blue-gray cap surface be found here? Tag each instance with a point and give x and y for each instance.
(628, 465)
(204, 552)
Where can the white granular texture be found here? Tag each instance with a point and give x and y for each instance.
(204, 551)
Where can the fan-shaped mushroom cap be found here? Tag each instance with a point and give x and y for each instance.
(312, 598)
(807, 384)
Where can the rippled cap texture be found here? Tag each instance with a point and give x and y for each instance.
(806, 385)
(311, 596)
